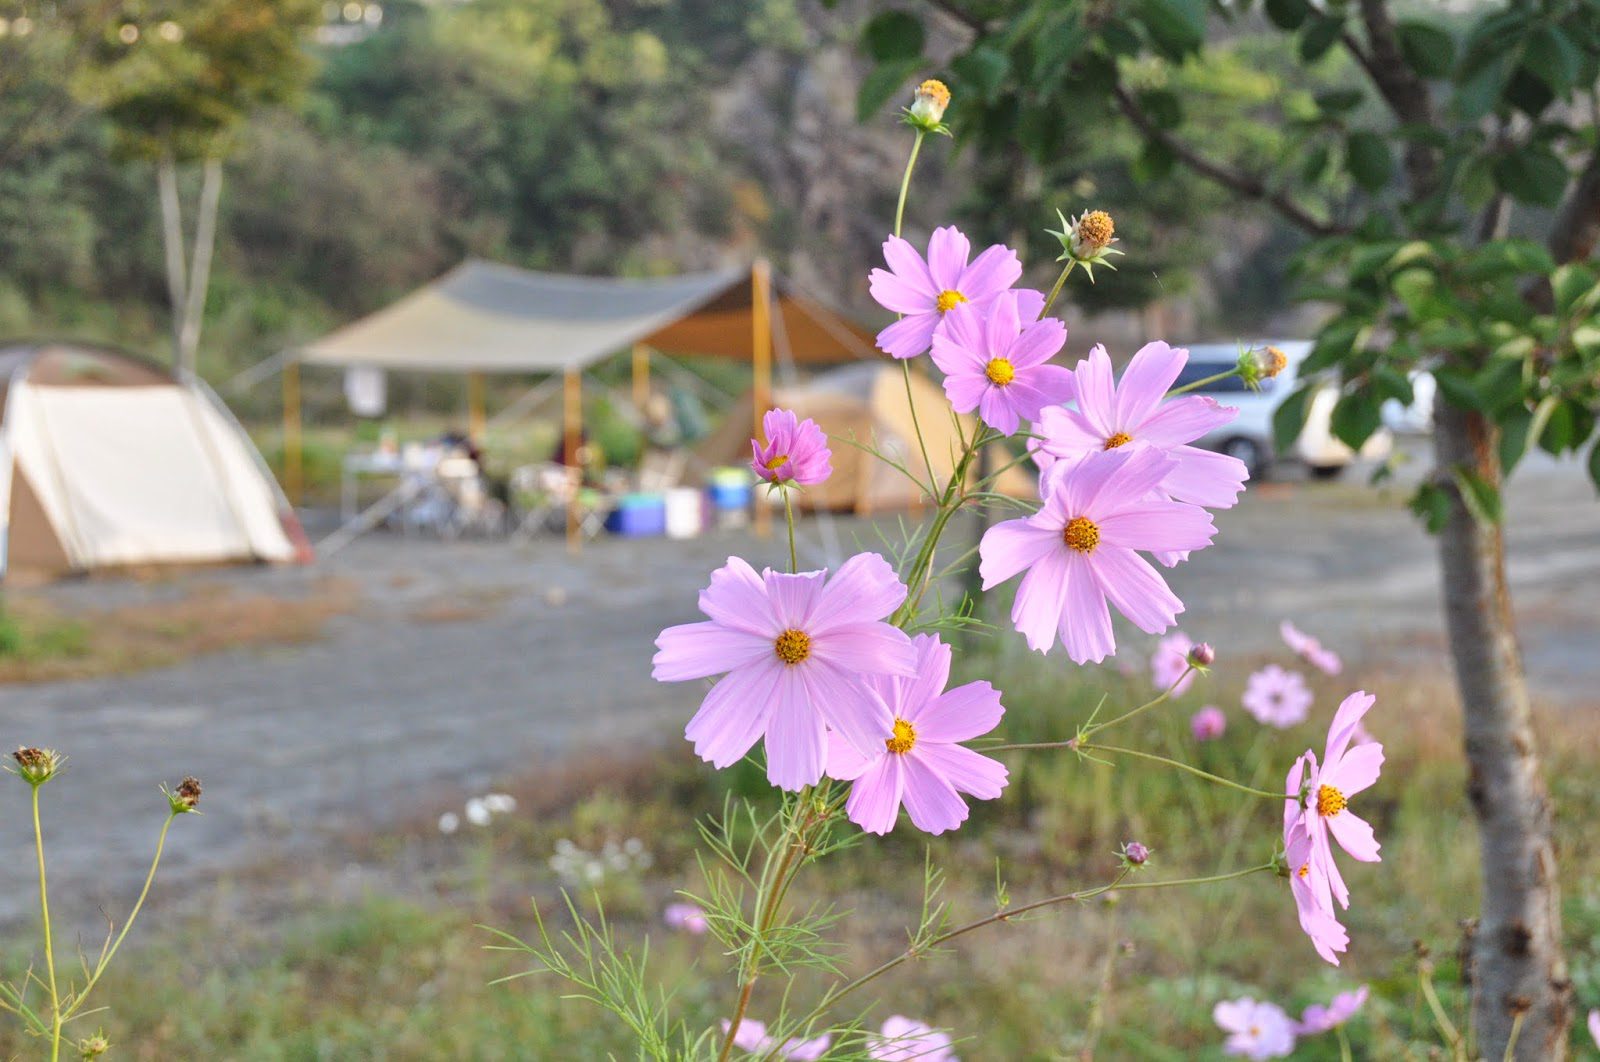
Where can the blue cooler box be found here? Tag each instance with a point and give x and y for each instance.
(638, 516)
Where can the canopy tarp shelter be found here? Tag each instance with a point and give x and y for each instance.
(108, 461)
(483, 317)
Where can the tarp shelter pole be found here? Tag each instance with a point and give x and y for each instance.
(572, 436)
(641, 376)
(476, 420)
(291, 431)
(761, 357)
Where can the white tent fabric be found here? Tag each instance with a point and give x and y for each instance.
(134, 475)
(484, 317)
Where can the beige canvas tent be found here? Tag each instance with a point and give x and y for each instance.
(106, 461)
(867, 402)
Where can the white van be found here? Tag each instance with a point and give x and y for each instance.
(1249, 436)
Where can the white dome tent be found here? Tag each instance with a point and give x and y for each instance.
(108, 461)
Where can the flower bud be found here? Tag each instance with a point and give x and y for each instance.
(1260, 364)
(1135, 854)
(93, 1046)
(1086, 240)
(37, 766)
(185, 798)
(1202, 656)
(928, 103)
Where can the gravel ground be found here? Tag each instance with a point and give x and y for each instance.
(474, 661)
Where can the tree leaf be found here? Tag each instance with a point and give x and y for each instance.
(1594, 464)
(1288, 14)
(1514, 436)
(1154, 162)
(1432, 506)
(1163, 107)
(881, 84)
(893, 35)
(983, 69)
(1532, 174)
(1338, 101)
(1478, 495)
(1356, 417)
(1289, 419)
(1551, 56)
(1367, 157)
(1428, 49)
(1320, 35)
(1458, 390)
(1176, 27)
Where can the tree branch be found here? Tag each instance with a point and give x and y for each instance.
(1399, 85)
(1240, 183)
(1576, 229)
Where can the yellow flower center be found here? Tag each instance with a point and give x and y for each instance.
(905, 736)
(1000, 371)
(1304, 871)
(777, 463)
(936, 91)
(1329, 801)
(1095, 229)
(1082, 534)
(1121, 438)
(949, 300)
(792, 646)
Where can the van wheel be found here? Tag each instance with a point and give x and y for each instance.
(1252, 453)
(1328, 472)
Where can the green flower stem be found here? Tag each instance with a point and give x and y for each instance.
(1180, 765)
(788, 515)
(1095, 728)
(1202, 382)
(1061, 282)
(49, 943)
(769, 897)
(1344, 1044)
(921, 571)
(105, 960)
(905, 181)
(916, 426)
(1116, 885)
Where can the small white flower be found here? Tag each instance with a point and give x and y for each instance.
(500, 803)
(595, 870)
(449, 822)
(477, 812)
(565, 847)
(633, 846)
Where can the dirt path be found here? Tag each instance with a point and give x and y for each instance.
(475, 661)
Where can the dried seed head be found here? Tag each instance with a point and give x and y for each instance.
(1093, 232)
(37, 766)
(185, 798)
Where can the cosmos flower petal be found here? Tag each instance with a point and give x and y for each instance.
(1346, 718)
(734, 714)
(992, 272)
(865, 648)
(909, 336)
(996, 411)
(1356, 770)
(1038, 342)
(1158, 525)
(960, 714)
(1036, 612)
(845, 761)
(1085, 623)
(1067, 432)
(863, 589)
(927, 685)
(1001, 324)
(1136, 589)
(1206, 478)
(909, 267)
(737, 597)
(948, 250)
(1146, 381)
(899, 295)
(851, 708)
(1038, 388)
(874, 802)
(794, 597)
(964, 326)
(1097, 392)
(1355, 836)
(1012, 546)
(700, 650)
(965, 392)
(796, 738)
(1141, 471)
(968, 771)
(1183, 420)
(930, 799)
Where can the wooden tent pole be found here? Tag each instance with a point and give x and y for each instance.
(761, 359)
(293, 472)
(477, 420)
(571, 443)
(641, 376)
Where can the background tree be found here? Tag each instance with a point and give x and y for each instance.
(1452, 133)
(177, 80)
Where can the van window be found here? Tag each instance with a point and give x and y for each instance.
(1199, 370)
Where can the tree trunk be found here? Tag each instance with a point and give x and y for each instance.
(1517, 961)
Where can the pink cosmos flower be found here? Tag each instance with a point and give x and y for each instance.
(904, 1039)
(1080, 548)
(1208, 723)
(1345, 771)
(794, 651)
(995, 362)
(796, 450)
(798, 1050)
(1319, 1019)
(1170, 663)
(1255, 1030)
(687, 917)
(1594, 1026)
(1136, 412)
(921, 765)
(1310, 650)
(1277, 697)
(922, 292)
(752, 1037)
(1308, 881)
